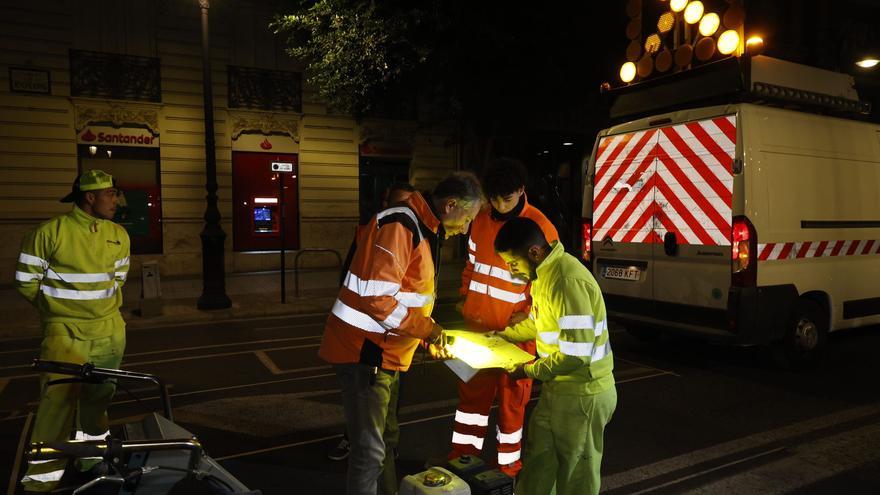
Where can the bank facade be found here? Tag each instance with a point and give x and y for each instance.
(118, 86)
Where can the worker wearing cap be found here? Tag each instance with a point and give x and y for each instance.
(491, 300)
(565, 436)
(71, 268)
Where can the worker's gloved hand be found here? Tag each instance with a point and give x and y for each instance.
(438, 348)
(516, 318)
(459, 306)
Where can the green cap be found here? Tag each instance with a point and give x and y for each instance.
(92, 180)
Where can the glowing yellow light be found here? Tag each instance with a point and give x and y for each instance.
(754, 46)
(728, 42)
(628, 72)
(652, 44)
(867, 63)
(472, 353)
(693, 12)
(709, 24)
(677, 5)
(667, 20)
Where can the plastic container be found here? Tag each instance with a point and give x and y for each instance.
(434, 481)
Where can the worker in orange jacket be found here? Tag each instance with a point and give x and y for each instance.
(493, 300)
(382, 313)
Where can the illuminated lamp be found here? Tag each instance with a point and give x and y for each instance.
(683, 55)
(664, 60)
(734, 17)
(645, 66)
(634, 50)
(704, 49)
(868, 62)
(666, 22)
(653, 43)
(634, 28)
(709, 24)
(693, 13)
(754, 46)
(628, 72)
(728, 42)
(677, 5)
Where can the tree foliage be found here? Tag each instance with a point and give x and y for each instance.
(355, 50)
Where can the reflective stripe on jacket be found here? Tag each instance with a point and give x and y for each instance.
(491, 293)
(72, 268)
(568, 320)
(388, 294)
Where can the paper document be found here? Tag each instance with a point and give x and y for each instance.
(480, 350)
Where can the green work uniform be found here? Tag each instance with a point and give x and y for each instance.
(71, 268)
(564, 439)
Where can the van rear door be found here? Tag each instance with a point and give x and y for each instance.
(623, 212)
(693, 195)
(661, 217)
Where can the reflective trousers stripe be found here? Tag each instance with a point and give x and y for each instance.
(505, 458)
(44, 477)
(471, 419)
(80, 435)
(462, 439)
(515, 437)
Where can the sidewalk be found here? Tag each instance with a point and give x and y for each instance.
(253, 295)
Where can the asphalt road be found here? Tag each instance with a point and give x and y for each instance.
(691, 417)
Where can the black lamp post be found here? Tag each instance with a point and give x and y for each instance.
(213, 270)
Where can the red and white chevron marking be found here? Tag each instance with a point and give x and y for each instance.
(670, 179)
(816, 249)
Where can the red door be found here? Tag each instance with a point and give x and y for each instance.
(257, 204)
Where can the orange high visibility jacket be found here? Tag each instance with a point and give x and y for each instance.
(491, 293)
(385, 303)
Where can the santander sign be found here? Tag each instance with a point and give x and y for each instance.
(124, 136)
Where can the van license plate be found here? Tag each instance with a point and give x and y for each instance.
(622, 273)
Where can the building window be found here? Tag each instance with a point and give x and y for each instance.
(263, 89)
(112, 76)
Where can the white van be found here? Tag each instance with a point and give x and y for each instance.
(742, 222)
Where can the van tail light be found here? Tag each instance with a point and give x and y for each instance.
(587, 230)
(743, 253)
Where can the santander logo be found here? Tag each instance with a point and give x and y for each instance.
(120, 137)
(266, 145)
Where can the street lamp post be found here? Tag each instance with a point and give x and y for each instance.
(213, 238)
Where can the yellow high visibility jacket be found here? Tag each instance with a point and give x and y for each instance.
(72, 268)
(568, 321)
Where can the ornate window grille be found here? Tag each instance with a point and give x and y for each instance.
(118, 77)
(265, 89)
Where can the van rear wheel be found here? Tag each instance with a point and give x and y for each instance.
(805, 337)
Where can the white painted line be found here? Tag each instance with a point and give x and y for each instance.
(415, 407)
(756, 440)
(616, 358)
(707, 471)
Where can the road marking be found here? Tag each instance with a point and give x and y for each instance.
(707, 471)
(786, 433)
(407, 409)
(616, 358)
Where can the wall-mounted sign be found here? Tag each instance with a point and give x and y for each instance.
(30, 80)
(282, 167)
(122, 136)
